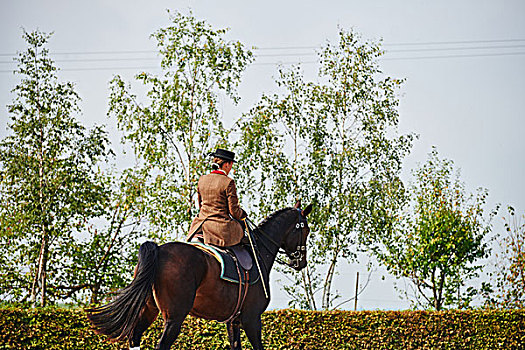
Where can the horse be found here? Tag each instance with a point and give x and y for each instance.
(177, 279)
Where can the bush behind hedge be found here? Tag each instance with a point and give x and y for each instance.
(285, 329)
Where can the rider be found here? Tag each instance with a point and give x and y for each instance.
(220, 213)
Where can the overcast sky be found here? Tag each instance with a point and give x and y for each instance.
(464, 64)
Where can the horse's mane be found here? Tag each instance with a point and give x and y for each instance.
(273, 215)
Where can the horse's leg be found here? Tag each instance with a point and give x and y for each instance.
(252, 328)
(234, 334)
(175, 304)
(182, 269)
(171, 332)
(147, 316)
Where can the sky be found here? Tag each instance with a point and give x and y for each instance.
(463, 61)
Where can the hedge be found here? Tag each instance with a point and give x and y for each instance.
(285, 329)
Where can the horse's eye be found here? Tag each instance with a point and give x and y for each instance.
(302, 224)
(297, 226)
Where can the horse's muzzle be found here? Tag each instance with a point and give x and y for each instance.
(297, 263)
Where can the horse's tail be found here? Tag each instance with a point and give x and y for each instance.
(118, 318)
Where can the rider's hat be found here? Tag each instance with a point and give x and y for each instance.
(224, 154)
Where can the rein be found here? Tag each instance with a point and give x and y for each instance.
(294, 256)
(279, 249)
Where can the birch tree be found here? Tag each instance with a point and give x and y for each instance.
(333, 141)
(50, 183)
(178, 122)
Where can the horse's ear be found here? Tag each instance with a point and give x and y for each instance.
(306, 210)
(298, 204)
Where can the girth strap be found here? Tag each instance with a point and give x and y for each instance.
(242, 291)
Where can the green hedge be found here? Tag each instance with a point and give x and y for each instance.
(286, 329)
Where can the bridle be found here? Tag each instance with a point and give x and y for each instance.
(295, 257)
(300, 249)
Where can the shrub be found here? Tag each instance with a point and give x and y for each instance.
(52, 328)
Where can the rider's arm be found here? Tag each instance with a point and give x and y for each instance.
(199, 198)
(233, 202)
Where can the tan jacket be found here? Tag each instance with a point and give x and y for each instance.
(219, 206)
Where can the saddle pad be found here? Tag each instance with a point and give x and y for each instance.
(228, 266)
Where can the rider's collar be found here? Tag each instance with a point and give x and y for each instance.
(219, 171)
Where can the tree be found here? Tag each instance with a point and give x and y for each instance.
(510, 269)
(180, 121)
(50, 182)
(439, 241)
(100, 262)
(332, 142)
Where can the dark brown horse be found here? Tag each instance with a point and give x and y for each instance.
(178, 279)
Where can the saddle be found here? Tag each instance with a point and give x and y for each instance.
(234, 261)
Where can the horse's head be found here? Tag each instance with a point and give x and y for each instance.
(294, 243)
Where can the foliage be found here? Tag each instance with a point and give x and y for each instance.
(180, 122)
(50, 183)
(104, 260)
(286, 329)
(510, 274)
(333, 142)
(438, 244)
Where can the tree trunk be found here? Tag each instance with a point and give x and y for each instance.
(34, 285)
(308, 289)
(43, 282)
(43, 247)
(327, 287)
(40, 277)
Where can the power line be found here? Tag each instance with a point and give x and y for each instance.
(120, 52)
(407, 58)
(453, 56)
(99, 59)
(310, 54)
(410, 50)
(422, 43)
(94, 69)
(306, 62)
(458, 48)
(456, 42)
(287, 54)
(123, 52)
(283, 63)
(286, 48)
